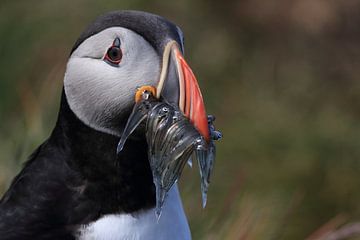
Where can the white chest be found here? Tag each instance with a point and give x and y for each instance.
(142, 225)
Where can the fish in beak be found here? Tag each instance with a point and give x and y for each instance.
(177, 127)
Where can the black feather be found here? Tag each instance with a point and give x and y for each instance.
(74, 178)
(155, 29)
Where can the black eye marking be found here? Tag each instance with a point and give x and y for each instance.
(117, 42)
(114, 54)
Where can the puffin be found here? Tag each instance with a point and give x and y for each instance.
(76, 185)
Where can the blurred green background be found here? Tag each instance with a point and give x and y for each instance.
(281, 76)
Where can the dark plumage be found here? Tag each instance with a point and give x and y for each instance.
(155, 29)
(75, 176)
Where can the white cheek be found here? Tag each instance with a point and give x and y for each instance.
(97, 92)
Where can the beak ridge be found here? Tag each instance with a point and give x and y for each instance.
(179, 86)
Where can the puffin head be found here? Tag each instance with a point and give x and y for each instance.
(120, 52)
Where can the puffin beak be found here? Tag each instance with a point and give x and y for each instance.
(178, 86)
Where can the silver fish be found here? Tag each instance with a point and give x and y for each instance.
(172, 142)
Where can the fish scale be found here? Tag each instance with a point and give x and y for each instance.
(172, 142)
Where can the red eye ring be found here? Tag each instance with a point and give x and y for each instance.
(114, 54)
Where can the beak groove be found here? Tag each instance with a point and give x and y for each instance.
(178, 85)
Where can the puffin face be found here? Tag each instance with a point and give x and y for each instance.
(121, 52)
(103, 74)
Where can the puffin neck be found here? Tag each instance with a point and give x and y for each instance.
(118, 182)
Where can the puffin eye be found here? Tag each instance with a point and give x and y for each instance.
(114, 54)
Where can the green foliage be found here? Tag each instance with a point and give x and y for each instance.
(281, 79)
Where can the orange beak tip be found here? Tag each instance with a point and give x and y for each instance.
(194, 107)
